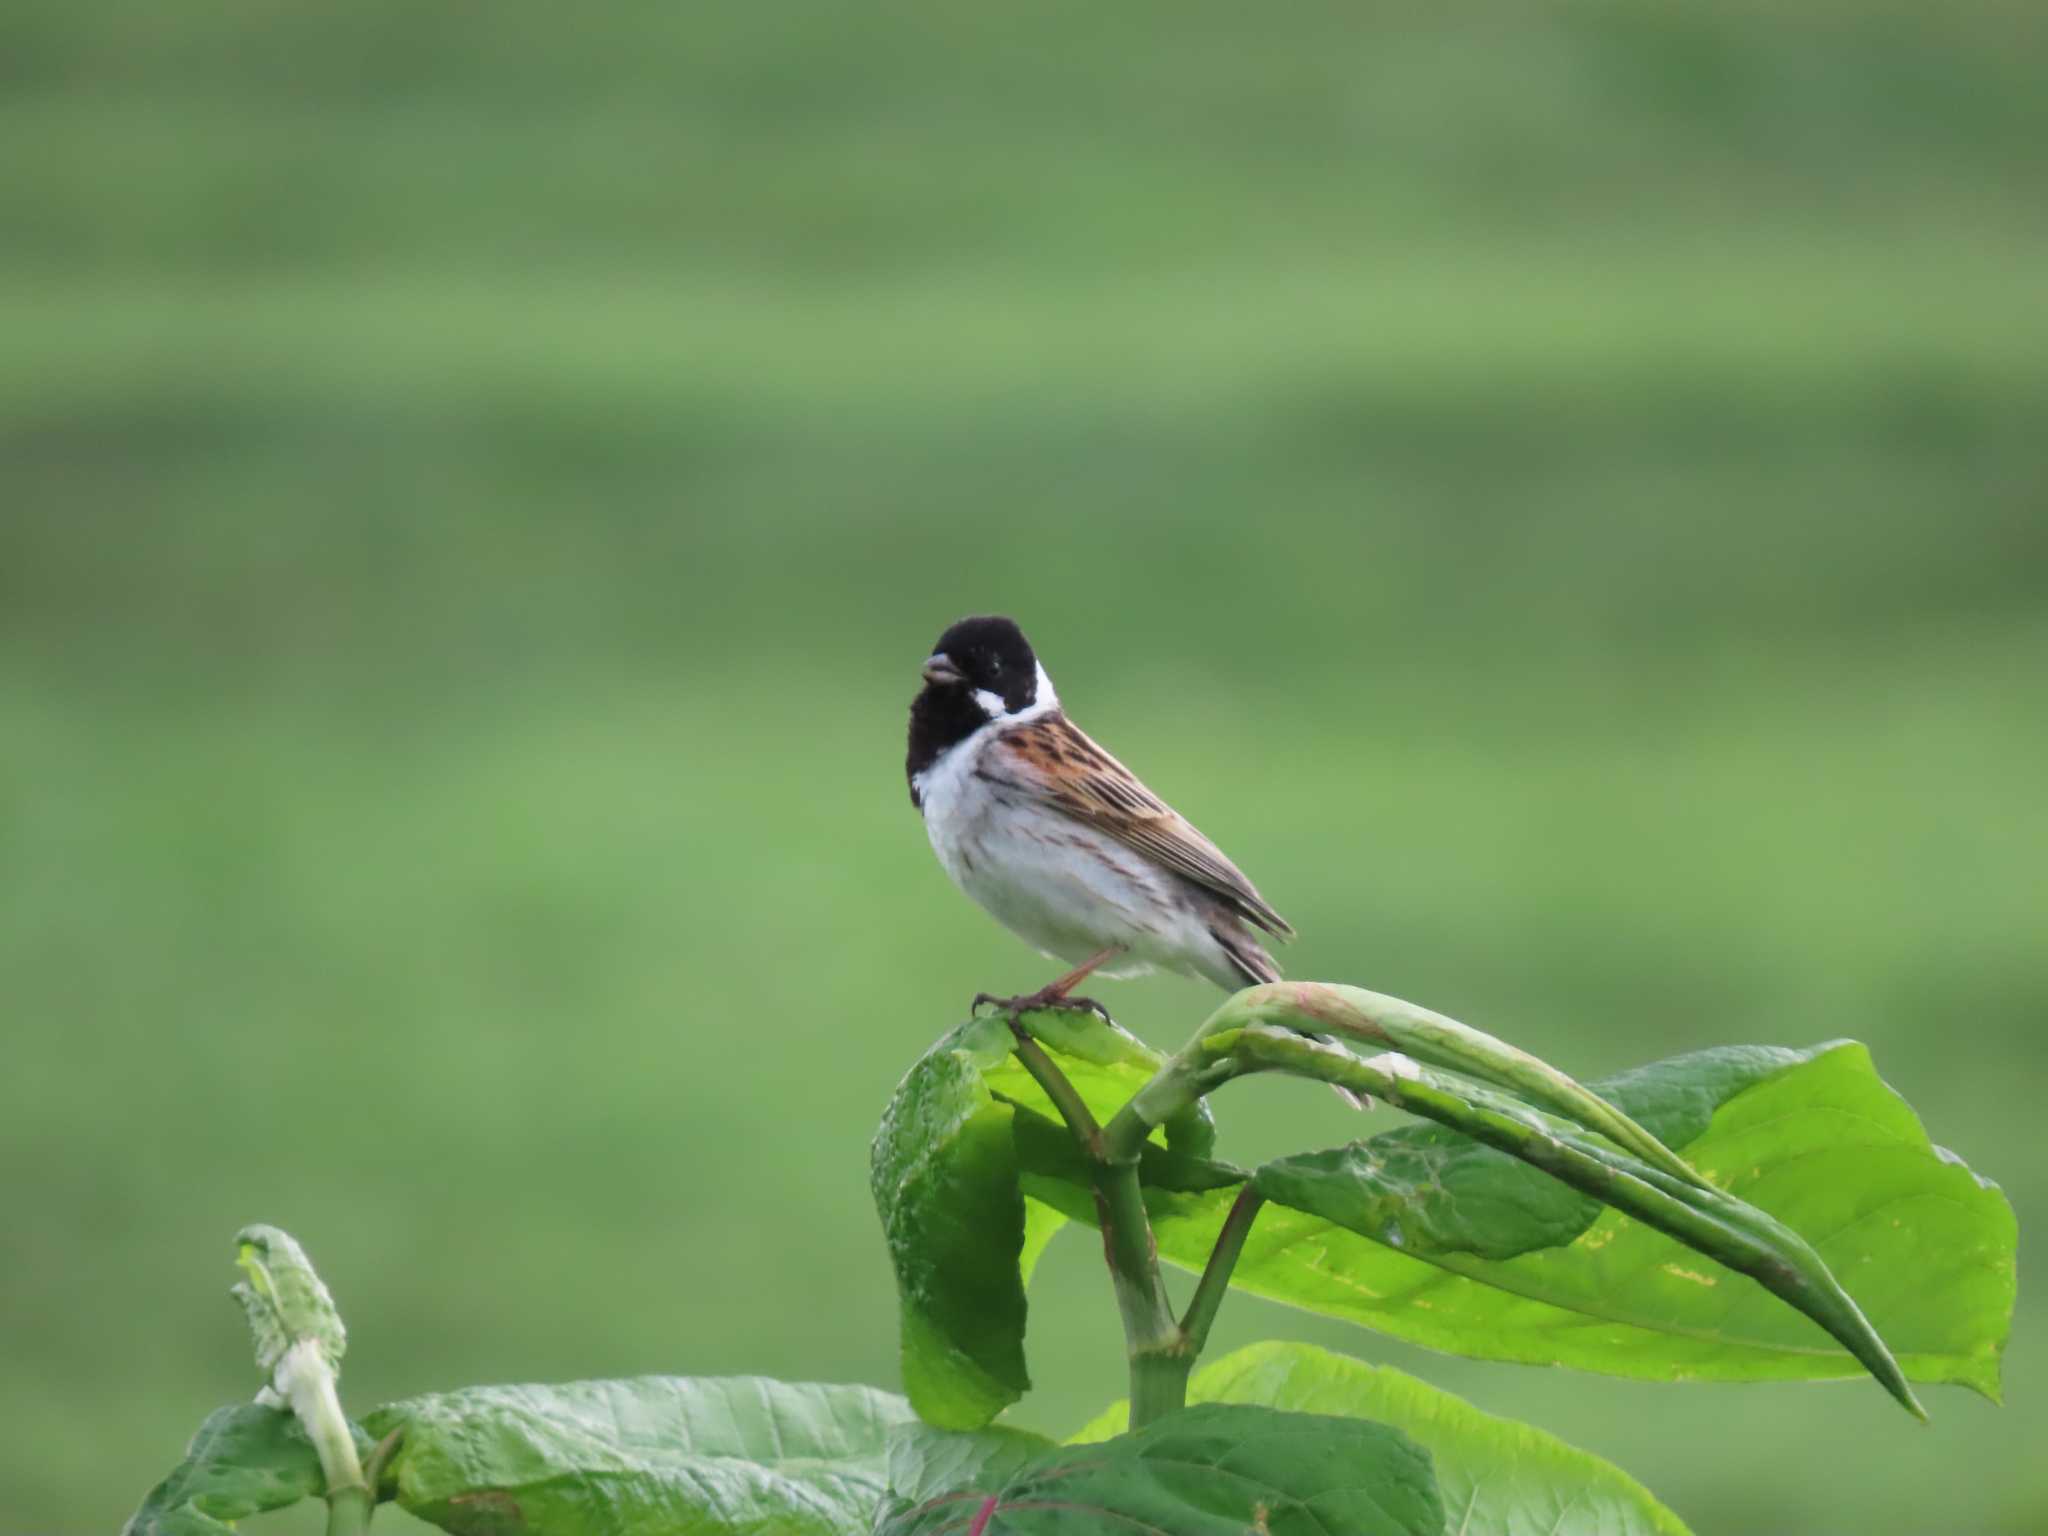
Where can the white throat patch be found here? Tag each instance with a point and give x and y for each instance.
(939, 786)
(1046, 701)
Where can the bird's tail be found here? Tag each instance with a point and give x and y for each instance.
(1255, 967)
(1251, 963)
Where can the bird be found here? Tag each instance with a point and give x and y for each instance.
(1061, 843)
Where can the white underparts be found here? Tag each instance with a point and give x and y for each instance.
(1066, 888)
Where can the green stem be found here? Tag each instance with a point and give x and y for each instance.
(380, 1458)
(348, 1512)
(1159, 1386)
(307, 1381)
(1209, 1290)
(1072, 1107)
(1157, 1350)
(1188, 1075)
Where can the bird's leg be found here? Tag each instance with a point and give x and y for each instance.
(1055, 994)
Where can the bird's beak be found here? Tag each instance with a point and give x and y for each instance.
(940, 669)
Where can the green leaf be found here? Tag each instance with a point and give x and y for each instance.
(652, 1456)
(925, 1462)
(1813, 1138)
(944, 1174)
(1218, 1470)
(244, 1461)
(1390, 1023)
(1498, 1477)
(1431, 1190)
(1821, 1144)
(1345, 1186)
(1041, 1225)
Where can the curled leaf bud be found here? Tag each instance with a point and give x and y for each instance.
(285, 1300)
(299, 1344)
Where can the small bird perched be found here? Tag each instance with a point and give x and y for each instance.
(1058, 840)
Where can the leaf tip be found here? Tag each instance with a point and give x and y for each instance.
(1908, 1401)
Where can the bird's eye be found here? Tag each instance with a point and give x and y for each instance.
(995, 666)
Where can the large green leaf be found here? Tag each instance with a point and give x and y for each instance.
(1349, 1187)
(1482, 1255)
(1218, 1470)
(944, 1174)
(244, 1461)
(652, 1456)
(927, 1463)
(1498, 1477)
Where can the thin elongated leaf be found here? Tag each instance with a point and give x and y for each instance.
(1390, 1023)
(244, 1461)
(1813, 1138)
(1498, 1477)
(1219, 1470)
(1434, 1190)
(678, 1456)
(943, 1170)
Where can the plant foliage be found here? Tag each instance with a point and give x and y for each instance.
(1218, 1470)
(1495, 1475)
(1743, 1213)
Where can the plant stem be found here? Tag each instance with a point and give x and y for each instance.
(1159, 1386)
(1073, 1109)
(308, 1385)
(1237, 1226)
(348, 1512)
(1188, 1075)
(1157, 1349)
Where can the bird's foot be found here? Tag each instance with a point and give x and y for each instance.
(1054, 994)
(1050, 997)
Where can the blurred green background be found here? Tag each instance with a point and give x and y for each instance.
(1561, 493)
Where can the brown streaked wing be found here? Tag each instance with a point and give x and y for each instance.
(1054, 760)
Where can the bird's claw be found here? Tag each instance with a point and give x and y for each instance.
(1043, 999)
(1085, 1005)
